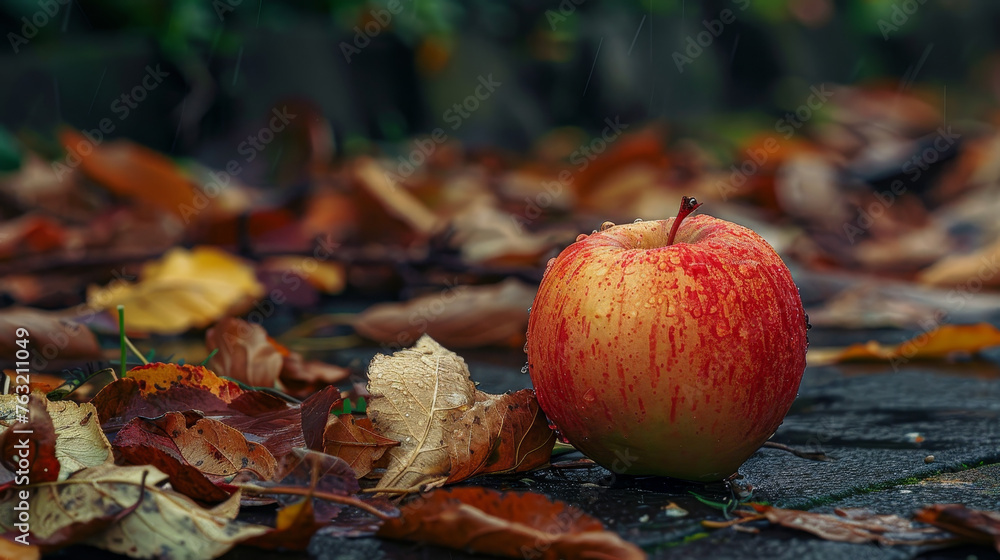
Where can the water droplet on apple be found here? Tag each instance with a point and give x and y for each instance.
(525, 349)
(524, 369)
(637, 220)
(590, 396)
(607, 225)
(581, 237)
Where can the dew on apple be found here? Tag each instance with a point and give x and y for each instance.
(524, 369)
(637, 220)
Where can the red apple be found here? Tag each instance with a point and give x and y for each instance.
(668, 357)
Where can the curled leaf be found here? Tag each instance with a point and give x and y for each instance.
(515, 525)
(460, 317)
(245, 352)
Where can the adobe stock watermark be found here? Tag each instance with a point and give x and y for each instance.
(580, 158)
(30, 26)
(456, 115)
(122, 106)
(914, 168)
(380, 18)
(249, 148)
(788, 126)
(901, 12)
(696, 44)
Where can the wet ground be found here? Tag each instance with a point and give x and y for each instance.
(877, 423)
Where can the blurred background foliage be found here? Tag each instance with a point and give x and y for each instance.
(560, 63)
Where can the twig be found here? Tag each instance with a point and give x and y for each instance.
(811, 455)
(309, 493)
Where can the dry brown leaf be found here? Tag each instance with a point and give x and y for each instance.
(396, 201)
(516, 425)
(981, 527)
(974, 271)
(47, 330)
(184, 289)
(215, 448)
(941, 342)
(134, 171)
(460, 317)
(515, 525)
(167, 524)
(356, 442)
(853, 526)
(245, 352)
(448, 431)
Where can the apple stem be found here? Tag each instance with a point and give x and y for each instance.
(688, 205)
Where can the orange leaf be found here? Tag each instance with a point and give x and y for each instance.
(938, 343)
(516, 525)
(215, 448)
(159, 376)
(133, 171)
(356, 442)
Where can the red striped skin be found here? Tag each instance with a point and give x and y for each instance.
(675, 360)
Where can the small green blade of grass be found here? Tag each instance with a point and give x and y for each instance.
(121, 337)
(206, 360)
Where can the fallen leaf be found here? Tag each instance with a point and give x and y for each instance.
(485, 234)
(134, 171)
(978, 268)
(31, 234)
(395, 201)
(941, 342)
(245, 352)
(140, 443)
(460, 317)
(29, 444)
(167, 524)
(300, 377)
(448, 431)
(182, 290)
(522, 439)
(978, 526)
(414, 395)
(295, 525)
(356, 442)
(47, 331)
(326, 276)
(853, 526)
(80, 443)
(213, 447)
(515, 525)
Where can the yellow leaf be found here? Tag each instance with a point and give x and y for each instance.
(938, 343)
(182, 290)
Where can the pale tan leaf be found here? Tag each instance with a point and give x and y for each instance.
(80, 442)
(414, 393)
(166, 525)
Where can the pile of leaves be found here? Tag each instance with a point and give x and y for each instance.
(161, 462)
